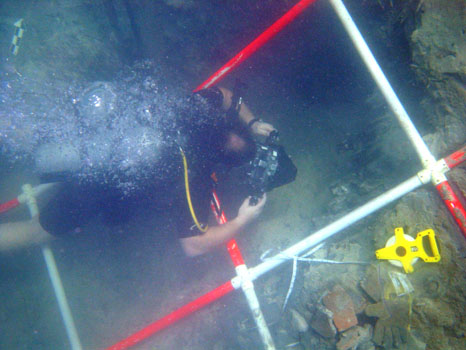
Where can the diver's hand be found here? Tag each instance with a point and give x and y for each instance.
(262, 128)
(392, 327)
(248, 212)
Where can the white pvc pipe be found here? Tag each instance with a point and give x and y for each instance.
(28, 197)
(61, 298)
(342, 223)
(253, 302)
(424, 154)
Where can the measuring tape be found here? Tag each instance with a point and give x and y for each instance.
(16, 40)
(403, 250)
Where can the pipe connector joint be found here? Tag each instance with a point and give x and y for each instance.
(438, 172)
(435, 173)
(236, 282)
(243, 273)
(242, 279)
(425, 175)
(248, 288)
(28, 196)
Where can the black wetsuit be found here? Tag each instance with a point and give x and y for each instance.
(201, 129)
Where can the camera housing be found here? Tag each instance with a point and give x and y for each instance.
(270, 168)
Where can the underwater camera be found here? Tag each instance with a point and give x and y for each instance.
(270, 168)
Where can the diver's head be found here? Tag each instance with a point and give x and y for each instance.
(226, 141)
(237, 146)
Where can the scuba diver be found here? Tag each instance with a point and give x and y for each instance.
(215, 126)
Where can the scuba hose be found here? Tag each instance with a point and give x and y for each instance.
(188, 194)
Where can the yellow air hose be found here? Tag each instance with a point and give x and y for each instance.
(188, 194)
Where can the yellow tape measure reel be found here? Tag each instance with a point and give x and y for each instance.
(403, 250)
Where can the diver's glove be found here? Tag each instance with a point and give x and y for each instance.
(392, 327)
(392, 293)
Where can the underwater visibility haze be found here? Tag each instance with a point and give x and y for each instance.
(95, 93)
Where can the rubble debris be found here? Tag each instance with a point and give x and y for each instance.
(321, 322)
(355, 337)
(283, 339)
(435, 312)
(298, 322)
(371, 283)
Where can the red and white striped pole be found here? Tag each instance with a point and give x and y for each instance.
(4, 207)
(456, 158)
(176, 315)
(256, 44)
(242, 273)
(449, 197)
(232, 246)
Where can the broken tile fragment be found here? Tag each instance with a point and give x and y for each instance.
(341, 305)
(353, 338)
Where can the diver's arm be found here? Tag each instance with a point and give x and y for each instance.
(22, 234)
(245, 114)
(216, 235)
